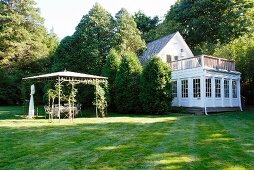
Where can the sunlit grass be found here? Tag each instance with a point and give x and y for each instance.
(219, 141)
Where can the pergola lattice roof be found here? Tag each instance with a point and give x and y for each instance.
(67, 76)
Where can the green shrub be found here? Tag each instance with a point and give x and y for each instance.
(155, 87)
(101, 99)
(128, 84)
(110, 70)
(176, 109)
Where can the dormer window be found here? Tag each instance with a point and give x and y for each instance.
(168, 58)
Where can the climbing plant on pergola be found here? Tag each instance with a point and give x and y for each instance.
(73, 78)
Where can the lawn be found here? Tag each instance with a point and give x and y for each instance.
(218, 141)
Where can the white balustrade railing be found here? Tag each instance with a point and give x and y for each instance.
(203, 61)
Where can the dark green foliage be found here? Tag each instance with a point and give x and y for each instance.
(128, 84)
(26, 47)
(208, 21)
(110, 70)
(146, 25)
(175, 109)
(22, 34)
(86, 50)
(155, 93)
(127, 35)
(100, 100)
(65, 54)
(241, 50)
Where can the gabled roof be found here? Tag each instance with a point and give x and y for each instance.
(154, 47)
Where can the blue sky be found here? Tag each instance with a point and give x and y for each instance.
(64, 15)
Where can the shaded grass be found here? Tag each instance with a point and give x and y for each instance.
(219, 141)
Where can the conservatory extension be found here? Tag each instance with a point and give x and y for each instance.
(205, 83)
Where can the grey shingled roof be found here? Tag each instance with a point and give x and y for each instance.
(154, 47)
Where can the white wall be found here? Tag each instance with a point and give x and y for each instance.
(203, 101)
(174, 47)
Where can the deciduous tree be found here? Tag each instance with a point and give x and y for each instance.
(208, 21)
(241, 50)
(146, 25)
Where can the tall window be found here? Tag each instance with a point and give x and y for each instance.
(184, 88)
(196, 88)
(217, 88)
(234, 89)
(208, 85)
(226, 88)
(174, 88)
(168, 58)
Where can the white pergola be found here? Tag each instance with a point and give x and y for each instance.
(70, 77)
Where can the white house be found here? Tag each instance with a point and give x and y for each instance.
(200, 83)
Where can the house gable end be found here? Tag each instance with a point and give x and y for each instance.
(155, 47)
(171, 45)
(176, 48)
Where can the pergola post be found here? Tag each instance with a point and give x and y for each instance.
(96, 99)
(59, 98)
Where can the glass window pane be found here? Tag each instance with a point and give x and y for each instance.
(174, 88)
(217, 88)
(196, 88)
(208, 83)
(184, 88)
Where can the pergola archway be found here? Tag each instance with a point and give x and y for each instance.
(72, 78)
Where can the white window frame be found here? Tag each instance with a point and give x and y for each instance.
(184, 85)
(208, 84)
(196, 87)
(174, 88)
(234, 89)
(226, 88)
(217, 88)
(169, 58)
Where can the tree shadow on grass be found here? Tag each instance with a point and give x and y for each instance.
(11, 112)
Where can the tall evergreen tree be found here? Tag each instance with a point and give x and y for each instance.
(110, 70)
(128, 84)
(127, 35)
(88, 47)
(155, 93)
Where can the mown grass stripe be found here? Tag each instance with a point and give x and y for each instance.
(130, 154)
(242, 129)
(172, 152)
(217, 147)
